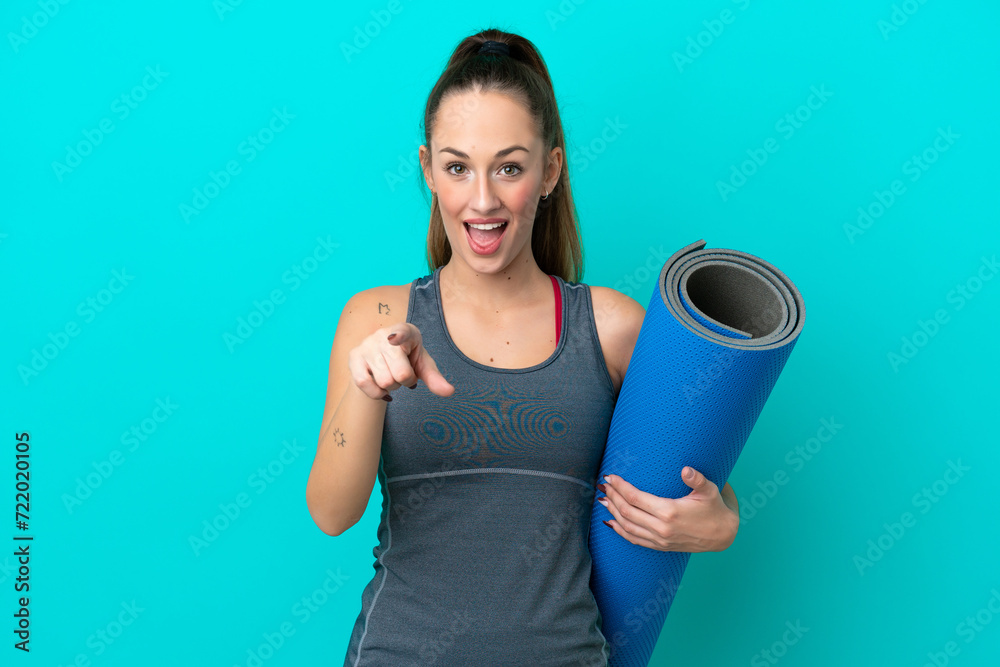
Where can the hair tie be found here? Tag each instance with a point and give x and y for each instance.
(489, 46)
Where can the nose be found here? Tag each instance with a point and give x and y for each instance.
(485, 198)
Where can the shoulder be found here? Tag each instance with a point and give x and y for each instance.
(381, 306)
(618, 318)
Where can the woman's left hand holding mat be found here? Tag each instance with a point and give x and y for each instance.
(699, 521)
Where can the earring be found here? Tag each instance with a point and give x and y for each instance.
(545, 195)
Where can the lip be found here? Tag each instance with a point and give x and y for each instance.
(484, 250)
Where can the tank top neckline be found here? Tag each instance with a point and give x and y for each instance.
(560, 343)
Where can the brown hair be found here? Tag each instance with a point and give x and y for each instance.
(555, 238)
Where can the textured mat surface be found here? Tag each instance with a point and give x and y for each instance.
(716, 335)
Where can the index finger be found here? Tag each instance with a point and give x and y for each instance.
(410, 340)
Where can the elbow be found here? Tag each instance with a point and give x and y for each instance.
(325, 525)
(330, 525)
(332, 531)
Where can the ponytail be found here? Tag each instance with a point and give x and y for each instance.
(555, 238)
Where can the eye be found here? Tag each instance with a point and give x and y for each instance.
(509, 165)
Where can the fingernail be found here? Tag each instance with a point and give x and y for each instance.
(607, 524)
(606, 479)
(603, 501)
(391, 335)
(602, 488)
(387, 398)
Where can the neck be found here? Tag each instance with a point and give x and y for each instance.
(517, 284)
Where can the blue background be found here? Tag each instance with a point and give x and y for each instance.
(342, 170)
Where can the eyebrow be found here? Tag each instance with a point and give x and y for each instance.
(500, 153)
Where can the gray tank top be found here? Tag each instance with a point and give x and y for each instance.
(482, 555)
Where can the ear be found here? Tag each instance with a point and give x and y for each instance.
(425, 166)
(553, 168)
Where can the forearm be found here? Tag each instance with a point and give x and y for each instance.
(729, 497)
(346, 464)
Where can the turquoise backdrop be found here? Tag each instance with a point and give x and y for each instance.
(170, 169)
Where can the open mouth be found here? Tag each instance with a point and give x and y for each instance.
(485, 241)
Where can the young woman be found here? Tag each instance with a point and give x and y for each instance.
(488, 469)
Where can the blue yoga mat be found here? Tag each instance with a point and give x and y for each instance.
(717, 332)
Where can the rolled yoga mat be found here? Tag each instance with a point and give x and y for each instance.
(717, 332)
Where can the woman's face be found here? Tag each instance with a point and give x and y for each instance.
(487, 164)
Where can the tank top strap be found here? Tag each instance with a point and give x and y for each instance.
(558, 309)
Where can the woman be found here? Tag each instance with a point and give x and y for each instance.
(488, 471)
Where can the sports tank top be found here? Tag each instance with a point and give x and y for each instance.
(482, 555)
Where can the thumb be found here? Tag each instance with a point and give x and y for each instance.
(697, 481)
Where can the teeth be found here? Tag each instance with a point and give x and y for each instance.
(490, 225)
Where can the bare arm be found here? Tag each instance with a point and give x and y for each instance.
(729, 497)
(347, 455)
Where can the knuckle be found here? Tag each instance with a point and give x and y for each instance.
(375, 374)
(407, 376)
(367, 386)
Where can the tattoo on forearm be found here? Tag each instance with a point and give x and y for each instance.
(383, 305)
(338, 435)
